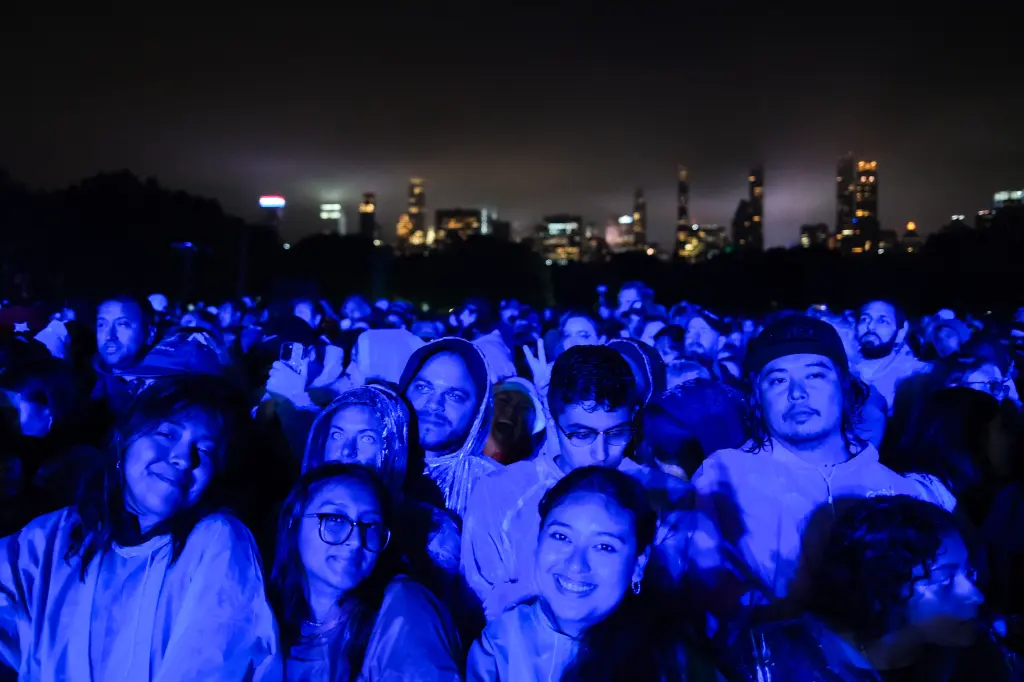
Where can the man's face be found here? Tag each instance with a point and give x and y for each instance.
(308, 313)
(609, 433)
(445, 400)
(120, 334)
(947, 341)
(801, 397)
(627, 299)
(702, 342)
(877, 330)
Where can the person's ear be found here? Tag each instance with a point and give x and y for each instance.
(641, 566)
(901, 335)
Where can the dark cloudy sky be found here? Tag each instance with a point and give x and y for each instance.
(531, 113)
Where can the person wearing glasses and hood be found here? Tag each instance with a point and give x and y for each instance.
(346, 613)
(145, 579)
(593, 401)
(448, 386)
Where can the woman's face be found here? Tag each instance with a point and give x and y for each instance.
(337, 568)
(166, 471)
(988, 379)
(579, 331)
(944, 601)
(356, 436)
(586, 560)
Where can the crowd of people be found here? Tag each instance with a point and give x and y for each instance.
(298, 490)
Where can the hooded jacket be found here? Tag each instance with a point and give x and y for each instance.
(457, 472)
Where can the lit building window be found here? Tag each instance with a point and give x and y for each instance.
(757, 219)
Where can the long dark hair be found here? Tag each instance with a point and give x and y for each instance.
(855, 396)
(102, 516)
(627, 644)
(361, 605)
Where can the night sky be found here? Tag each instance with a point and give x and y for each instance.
(529, 113)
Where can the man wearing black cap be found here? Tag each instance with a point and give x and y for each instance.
(803, 456)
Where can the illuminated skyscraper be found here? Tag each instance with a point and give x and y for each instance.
(458, 223)
(845, 188)
(748, 223)
(865, 206)
(682, 206)
(404, 227)
(333, 219)
(368, 216)
(700, 242)
(417, 205)
(639, 220)
(561, 238)
(273, 209)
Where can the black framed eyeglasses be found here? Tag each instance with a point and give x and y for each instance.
(620, 435)
(336, 529)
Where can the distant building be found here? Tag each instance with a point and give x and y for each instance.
(814, 236)
(682, 204)
(912, 240)
(417, 205)
(458, 223)
(639, 225)
(560, 238)
(748, 222)
(272, 206)
(501, 230)
(404, 228)
(1009, 197)
(845, 191)
(984, 219)
(700, 242)
(333, 219)
(368, 216)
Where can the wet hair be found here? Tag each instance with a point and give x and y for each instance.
(873, 549)
(594, 374)
(855, 396)
(628, 643)
(102, 516)
(361, 605)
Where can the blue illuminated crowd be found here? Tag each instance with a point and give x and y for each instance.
(363, 490)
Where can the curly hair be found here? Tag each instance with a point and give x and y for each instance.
(855, 395)
(594, 374)
(867, 567)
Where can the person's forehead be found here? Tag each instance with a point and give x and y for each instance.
(878, 309)
(445, 366)
(115, 309)
(698, 324)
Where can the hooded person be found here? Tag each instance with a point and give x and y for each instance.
(369, 426)
(447, 383)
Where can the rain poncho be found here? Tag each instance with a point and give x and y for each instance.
(520, 646)
(393, 416)
(381, 354)
(136, 616)
(763, 504)
(499, 531)
(413, 639)
(456, 473)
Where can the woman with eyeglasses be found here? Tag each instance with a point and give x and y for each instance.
(345, 613)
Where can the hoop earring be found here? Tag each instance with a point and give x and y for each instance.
(636, 587)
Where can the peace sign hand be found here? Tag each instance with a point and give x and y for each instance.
(539, 367)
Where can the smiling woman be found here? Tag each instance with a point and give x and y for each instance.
(126, 583)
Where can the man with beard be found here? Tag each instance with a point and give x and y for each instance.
(883, 359)
(124, 331)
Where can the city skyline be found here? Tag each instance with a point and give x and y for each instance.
(237, 108)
